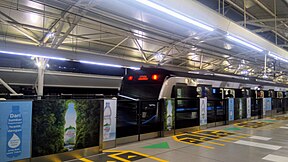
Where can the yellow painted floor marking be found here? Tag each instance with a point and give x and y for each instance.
(110, 161)
(226, 138)
(129, 157)
(238, 136)
(115, 156)
(176, 139)
(85, 160)
(212, 138)
(201, 140)
(235, 135)
(148, 156)
(120, 152)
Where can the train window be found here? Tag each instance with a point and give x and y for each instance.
(145, 91)
(183, 91)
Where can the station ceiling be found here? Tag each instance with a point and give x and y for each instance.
(128, 30)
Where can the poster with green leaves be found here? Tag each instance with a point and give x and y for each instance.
(169, 114)
(64, 125)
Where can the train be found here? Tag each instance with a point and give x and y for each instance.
(159, 83)
(143, 92)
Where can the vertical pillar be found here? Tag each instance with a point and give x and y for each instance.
(265, 65)
(223, 7)
(245, 18)
(201, 61)
(275, 22)
(41, 64)
(219, 6)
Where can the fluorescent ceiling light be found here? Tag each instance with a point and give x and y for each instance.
(134, 68)
(32, 55)
(174, 14)
(244, 43)
(277, 57)
(64, 59)
(102, 64)
(110, 65)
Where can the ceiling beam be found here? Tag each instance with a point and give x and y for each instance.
(29, 34)
(250, 15)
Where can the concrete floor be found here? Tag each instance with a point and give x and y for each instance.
(265, 140)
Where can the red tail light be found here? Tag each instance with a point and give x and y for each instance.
(155, 77)
(143, 77)
(130, 78)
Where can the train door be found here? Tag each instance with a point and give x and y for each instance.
(137, 120)
(279, 105)
(258, 107)
(216, 112)
(149, 120)
(186, 107)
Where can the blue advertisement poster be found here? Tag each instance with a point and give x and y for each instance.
(231, 108)
(15, 130)
(268, 104)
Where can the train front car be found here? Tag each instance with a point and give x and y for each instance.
(144, 84)
(138, 106)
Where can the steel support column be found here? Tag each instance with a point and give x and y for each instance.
(41, 64)
(265, 66)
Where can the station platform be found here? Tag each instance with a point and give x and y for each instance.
(254, 140)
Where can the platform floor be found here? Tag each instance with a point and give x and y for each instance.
(256, 141)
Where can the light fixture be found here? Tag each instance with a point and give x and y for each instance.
(158, 57)
(277, 57)
(38, 64)
(101, 64)
(244, 72)
(105, 64)
(244, 43)
(133, 68)
(227, 46)
(51, 35)
(32, 55)
(174, 14)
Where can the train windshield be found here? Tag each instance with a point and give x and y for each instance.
(142, 86)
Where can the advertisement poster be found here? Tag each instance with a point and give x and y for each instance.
(264, 106)
(267, 105)
(15, 130)
(70, 126)
(109, 120)
(240, 108)
(248, 106)
(64, 125)
(169, 115)
(203, 111)
(231, 108)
